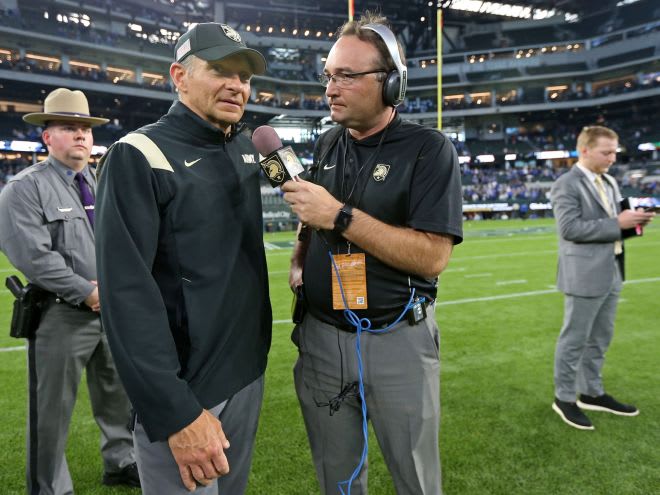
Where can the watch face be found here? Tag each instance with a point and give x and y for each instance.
(343, 219)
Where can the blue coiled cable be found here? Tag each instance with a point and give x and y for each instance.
(362, 324)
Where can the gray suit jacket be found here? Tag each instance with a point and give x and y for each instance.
(586, 235)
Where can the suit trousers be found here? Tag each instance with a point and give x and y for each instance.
(402, 391)
(159, 472)
(583, 341)
(68, 341)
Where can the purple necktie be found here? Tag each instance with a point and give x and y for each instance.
(86, 197)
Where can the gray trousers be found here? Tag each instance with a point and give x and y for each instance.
(159, 472)
(583, 341)
(402, 391)
(67, 342)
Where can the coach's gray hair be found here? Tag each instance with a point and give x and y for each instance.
(188, 63)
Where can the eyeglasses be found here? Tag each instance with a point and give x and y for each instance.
(344, 79)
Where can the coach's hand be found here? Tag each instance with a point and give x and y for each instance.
(313, 204)
(198, 449)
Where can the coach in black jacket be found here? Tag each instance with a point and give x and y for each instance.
(182, 272)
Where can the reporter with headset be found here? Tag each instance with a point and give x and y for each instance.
(384, 200)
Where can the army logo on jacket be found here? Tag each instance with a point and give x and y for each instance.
(380, 172)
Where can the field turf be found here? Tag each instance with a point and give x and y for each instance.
(499, 317)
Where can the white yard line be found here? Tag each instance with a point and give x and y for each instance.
(11, 349)
(642, 280)
(278, 272)
(511, 282)
(503, 255)
(478, 275)
(514, 295)
(511, 237)
(496, 298)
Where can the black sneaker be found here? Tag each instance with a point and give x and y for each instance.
(571, 414)
(127, 476)
(608, 404)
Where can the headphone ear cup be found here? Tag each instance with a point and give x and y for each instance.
(391, 87)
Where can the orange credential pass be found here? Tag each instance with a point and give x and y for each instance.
(353, 273)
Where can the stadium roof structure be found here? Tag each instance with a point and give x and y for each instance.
(474, 10)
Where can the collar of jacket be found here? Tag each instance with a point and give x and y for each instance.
(67, 173)
(189, 122)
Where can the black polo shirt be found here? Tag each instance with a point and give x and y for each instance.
(406, 175)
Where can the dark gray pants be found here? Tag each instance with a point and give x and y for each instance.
(67, 342)
(402, 391)
(159, 473)
(583, 341)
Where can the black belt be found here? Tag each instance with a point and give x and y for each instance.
(377, 322)
(54, 298)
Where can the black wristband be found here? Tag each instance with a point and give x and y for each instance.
(343, 219)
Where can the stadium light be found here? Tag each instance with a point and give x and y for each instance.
(551, 155)
(152, 76)
(485, 158)
(42, 58)
(84, 65)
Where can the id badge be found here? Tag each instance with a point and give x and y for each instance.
(353, 272)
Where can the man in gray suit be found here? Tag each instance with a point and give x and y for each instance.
(591, 225)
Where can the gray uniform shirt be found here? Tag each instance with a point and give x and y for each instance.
(45, 232)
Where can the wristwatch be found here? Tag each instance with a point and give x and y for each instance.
(343, 218)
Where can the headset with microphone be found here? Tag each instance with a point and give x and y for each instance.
(394, 86)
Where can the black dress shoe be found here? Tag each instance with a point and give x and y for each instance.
(606, 403)
(128, 476)
(571, 414)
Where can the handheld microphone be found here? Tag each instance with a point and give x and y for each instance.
(280, 163)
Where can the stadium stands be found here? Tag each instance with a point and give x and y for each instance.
(515, 94)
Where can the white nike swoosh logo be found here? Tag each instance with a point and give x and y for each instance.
(190, 164)
(326, 167)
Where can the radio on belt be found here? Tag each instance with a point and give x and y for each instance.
(417, 312)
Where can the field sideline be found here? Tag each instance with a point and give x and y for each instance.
(499, 316)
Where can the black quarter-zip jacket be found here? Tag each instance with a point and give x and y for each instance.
(182, 269)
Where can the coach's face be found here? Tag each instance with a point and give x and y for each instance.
(601, 156)
(355, 102)
(217, 91)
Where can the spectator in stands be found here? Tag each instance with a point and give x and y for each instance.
(398, 223)
(182, 273)
(47, 232)
(591, 226)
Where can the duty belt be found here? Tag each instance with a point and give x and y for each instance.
(54, 298)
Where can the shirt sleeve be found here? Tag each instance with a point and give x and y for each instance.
(436, 203)
(27, 243)
(133, 312)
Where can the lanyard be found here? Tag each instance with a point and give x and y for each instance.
(370, 161)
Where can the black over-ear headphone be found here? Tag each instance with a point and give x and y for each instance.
(394, 86)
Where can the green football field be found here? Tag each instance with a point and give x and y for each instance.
(499, 317)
